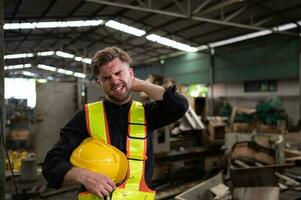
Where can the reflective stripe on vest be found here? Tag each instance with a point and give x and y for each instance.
(134, 186)
(136, 140)
(88, 196)
(96, 121)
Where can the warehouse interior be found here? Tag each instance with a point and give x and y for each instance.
(236, 61)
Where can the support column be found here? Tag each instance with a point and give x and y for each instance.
(211, 82)
(299, 88)
(2, 155)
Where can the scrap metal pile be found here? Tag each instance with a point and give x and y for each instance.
(259, 167)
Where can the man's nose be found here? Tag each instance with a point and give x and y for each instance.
(114, 79)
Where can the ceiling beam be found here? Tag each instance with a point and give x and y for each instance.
(178, 4)
(141, 3)
(279, 15)
(16, 9)
(200, 7)
(176, 33)
(72, 29)
(173, 14)
(120, 43)
(131, 37)
(217, 6)
(236, 13)
(120, 13)
(54, 18)
(80, 4)
(259, 21)
(153, 29)
(51, 4)
(264, 20)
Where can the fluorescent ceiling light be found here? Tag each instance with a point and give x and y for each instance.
(87, 60)
(20, 55)
(285, 27)
(64, 54)
(51, 78)
(49, 53)
(46, 67)
(202, 47)
(21, 66)
(45, 53)
(64, 71)
(125, 28)
(18, 26)
(84, 60)
(27, 65)
(42, 80)
(27, 73)
(53, 24)
(77, 58)
(240, 38)
(79, 75)
(171, 43)
(258, 34)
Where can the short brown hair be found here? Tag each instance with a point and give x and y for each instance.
(104, 56)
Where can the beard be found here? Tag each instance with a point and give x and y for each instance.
(121, 96)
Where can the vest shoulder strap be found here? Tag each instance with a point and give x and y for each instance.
(96, 121)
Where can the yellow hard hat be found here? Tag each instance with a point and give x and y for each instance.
(97, 156)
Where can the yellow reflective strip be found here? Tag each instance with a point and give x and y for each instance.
(137, 113)
(137, 131)
(97, 121)
(118, 194)
(88, 196)
(137, 149)
(134, 178)
(122, 194)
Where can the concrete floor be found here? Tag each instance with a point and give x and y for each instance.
(293, 140)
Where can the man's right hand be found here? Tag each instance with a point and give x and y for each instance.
(96, 183)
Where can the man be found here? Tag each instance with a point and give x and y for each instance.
(112, 69)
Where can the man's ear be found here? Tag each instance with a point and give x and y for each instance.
(98, 82)
(131, 71)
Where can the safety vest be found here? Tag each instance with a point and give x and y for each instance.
(134, 186)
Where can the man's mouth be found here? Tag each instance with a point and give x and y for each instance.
(118, 88)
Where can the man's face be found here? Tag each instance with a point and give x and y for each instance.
(116, 80)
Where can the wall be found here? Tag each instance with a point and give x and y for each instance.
(270, 57)
(143, 72)
(287, 90)
(287, 87)
(273, 57)
(189, 68)
(53, 112)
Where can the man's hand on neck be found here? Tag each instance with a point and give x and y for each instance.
(155, 92)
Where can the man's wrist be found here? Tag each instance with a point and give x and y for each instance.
(76, 175)
(140, 85)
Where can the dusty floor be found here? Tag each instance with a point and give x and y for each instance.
(293, 140)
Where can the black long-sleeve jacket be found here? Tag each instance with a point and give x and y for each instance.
(157, 113)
